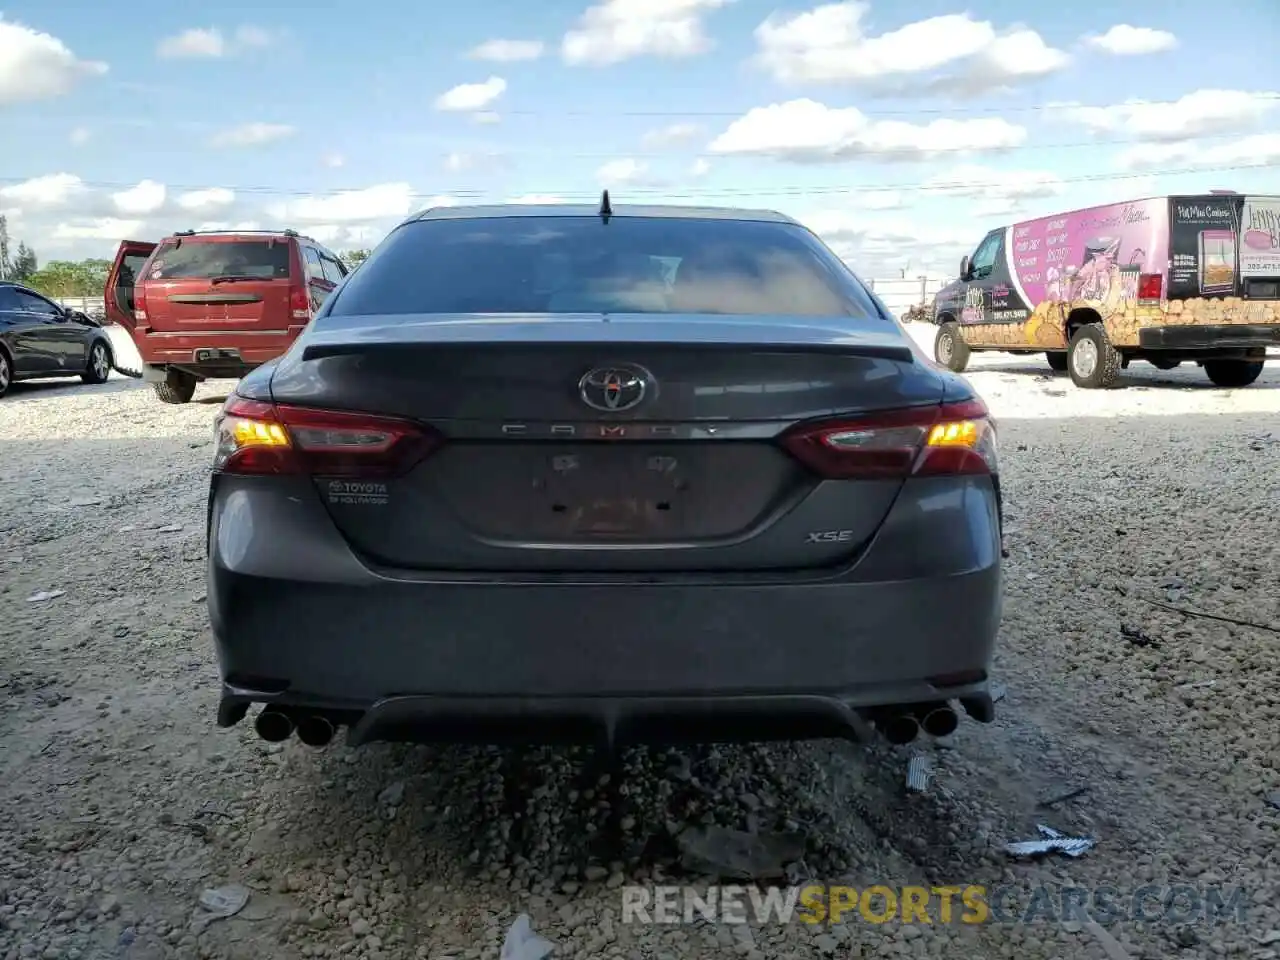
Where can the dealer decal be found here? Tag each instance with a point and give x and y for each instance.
(357, 493)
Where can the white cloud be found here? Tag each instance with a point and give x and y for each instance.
(1124, 40)
(194, 44)
(147, 197)
(989, 183)
(384, 200)
(252, 135)
(1262, 149)
(508, 51)
(210, 43)
(227, 225)
(805, 131)
(333, 160)
(670, 136)
(80, 136)
(953, 53)
(471, 96)
(53, 190)
(346, 237)
(100, 228)
(459, 161)
(38, 66)
(211, 199)
(617, 173)
(1200, 114)
(885, 247)
(700, 168)
(537, 199)
(619, 30)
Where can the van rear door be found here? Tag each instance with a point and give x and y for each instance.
(1260, 248)
(232, 282)
(118, 295)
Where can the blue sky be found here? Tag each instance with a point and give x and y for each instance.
(900, 132)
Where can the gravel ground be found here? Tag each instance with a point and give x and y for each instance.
(123, 802)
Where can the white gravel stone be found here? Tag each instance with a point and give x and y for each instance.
(123, 801)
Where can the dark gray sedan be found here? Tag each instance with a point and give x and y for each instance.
(612, 474)
(39, 338)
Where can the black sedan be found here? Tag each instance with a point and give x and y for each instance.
(38, 338)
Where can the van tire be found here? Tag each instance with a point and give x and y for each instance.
(949, 350)
(1057, 361)
(178, 387)
(1094, 364)
(1233, 373)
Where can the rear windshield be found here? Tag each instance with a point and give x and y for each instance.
(198, 259)
(541, 265)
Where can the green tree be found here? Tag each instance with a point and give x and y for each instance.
(66, 278)
(24, 264)
(353, 258)
(5, 267)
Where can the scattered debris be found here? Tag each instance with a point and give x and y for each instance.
(84, 502)
(1211, 616)
(1058, 798)
(1138, 637)
(919, 772)
(199, 598)
(1273, 799)
(1052, 842)
(222, 902)
(170, 528)
(998, 691)
(1196, 684)
(522, 943)
(45, 595)
(392, 795)
(735, 854)
(1268, 938)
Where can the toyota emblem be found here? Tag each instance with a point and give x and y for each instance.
(614, 389)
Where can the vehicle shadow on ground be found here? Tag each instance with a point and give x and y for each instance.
(1142, 375)
(55, 388)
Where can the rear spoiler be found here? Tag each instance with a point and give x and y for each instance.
(356, 336)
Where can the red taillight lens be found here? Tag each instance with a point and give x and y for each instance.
(263, 438)
(948, 439)
(299, 304)
(1150, 286)
(140, 303)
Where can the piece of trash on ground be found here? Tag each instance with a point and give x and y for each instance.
(45, 595)
(736, 854)
(223, 902)
(1137, 636)
(1052, 842)
(998, 691)
(522, 943)
(170, 528)
(1273, 799)
(919, 771)
(1057, 798)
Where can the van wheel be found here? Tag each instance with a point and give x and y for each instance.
(99, 364)
(1233, 373)
(1057, 361)
(949, 349)
(1092, 361)
(178, 387)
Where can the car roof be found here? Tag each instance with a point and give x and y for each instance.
(593, 210)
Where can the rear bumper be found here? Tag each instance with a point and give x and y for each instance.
(301, 622)
(212, 349)
(1237, 336)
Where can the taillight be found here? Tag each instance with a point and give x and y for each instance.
(1150, 286)
(140, 303)
(258, 438)
(300, 304)
(947, 439)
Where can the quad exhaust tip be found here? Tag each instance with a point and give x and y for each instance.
(900, 729)
(315, 731)
(273, 726)
(940, 722)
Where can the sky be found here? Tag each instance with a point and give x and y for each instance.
(900, 133)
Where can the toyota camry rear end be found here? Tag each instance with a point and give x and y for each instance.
(618, 474)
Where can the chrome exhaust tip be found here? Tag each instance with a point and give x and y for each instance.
(273, 726)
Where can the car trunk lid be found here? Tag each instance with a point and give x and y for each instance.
(539, 471)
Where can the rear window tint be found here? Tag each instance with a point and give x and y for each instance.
(205, 259)
(659, 265)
